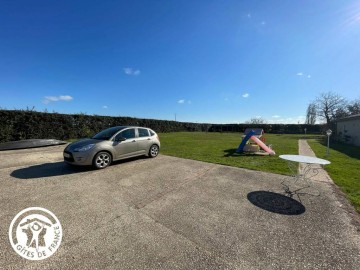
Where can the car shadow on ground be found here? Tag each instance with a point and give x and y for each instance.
(276, 203)
(60, 168)
(47, 170)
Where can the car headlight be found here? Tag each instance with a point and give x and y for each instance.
(84, 148)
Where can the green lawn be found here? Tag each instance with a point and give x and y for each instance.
(344, 167)
(220, 148)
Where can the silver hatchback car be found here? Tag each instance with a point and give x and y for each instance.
(112, 144)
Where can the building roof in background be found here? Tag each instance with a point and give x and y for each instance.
(351, 117)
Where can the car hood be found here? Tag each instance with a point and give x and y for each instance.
(82, 143)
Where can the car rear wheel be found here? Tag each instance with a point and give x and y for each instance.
(102, 160)
(154, 151)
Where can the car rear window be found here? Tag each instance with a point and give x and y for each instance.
(143, 132)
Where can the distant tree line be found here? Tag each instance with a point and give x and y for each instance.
(29, 124)
(329, 107)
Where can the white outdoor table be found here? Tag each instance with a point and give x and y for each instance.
(310, 169)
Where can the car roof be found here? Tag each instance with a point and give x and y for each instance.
(130, 127)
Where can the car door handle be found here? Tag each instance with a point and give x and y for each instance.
(133, 141)
(148, 139)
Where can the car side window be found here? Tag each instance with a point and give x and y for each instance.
(143, 132)
(127, 134)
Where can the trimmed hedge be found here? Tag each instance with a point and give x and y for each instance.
(24, 124)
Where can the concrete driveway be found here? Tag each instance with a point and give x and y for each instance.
(171, 213)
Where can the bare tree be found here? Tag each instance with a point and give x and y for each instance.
(311, 114)
(327, 105)
(256, 120)
(354, 107)
(341, 113)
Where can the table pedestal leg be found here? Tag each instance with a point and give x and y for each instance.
(303, 176)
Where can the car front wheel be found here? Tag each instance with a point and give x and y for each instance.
(102, 160)
(154, 151)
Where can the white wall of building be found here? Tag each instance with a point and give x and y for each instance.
(349, 130)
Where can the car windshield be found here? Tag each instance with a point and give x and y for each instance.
(107, 133)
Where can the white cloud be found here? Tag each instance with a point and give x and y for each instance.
(288, 120)
(303, 74)
(245, 95)
(48, 99)
(276, 116)
(105, 107)
(131, 72)
(128, 71)
(184, 101)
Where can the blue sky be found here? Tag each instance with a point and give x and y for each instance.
(205, 61)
